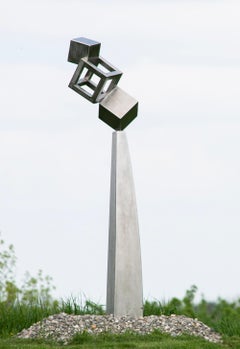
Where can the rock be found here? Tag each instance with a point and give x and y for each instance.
(62, 327)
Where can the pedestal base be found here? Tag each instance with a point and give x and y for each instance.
(124, 281)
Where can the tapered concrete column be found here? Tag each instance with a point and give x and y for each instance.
(124, 281)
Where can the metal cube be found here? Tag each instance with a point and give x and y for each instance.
(94, 78)
(83, 47)
(118, 109)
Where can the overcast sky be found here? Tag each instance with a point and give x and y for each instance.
(181, 61)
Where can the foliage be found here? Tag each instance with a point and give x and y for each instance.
(32, 290)
(223, 316)
(8, 289)
(174, 306)
(31, 301)
(18, 316)
(37, 288)
(22, 315)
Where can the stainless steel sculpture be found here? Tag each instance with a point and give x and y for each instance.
(96, 80)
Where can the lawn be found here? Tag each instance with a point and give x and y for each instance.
(155, 341)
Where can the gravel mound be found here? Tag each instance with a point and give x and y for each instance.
(62, 327)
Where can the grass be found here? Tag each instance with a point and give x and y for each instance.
(221, 315)
(15, 317)
(153, 341)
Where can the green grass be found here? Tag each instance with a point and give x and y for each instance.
(153, 341)
(17, 316)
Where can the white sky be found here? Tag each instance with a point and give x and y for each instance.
(181, 60)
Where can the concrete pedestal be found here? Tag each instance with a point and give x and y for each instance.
(124, 280)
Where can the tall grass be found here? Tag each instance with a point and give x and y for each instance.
(18, 316)
(80, 307)
(15, 317)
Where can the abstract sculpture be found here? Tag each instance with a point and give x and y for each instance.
(96, 80)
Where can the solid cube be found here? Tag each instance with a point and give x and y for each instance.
(118, 109)
(94, 78)
(83, 47)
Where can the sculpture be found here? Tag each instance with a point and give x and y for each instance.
(96, 80)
